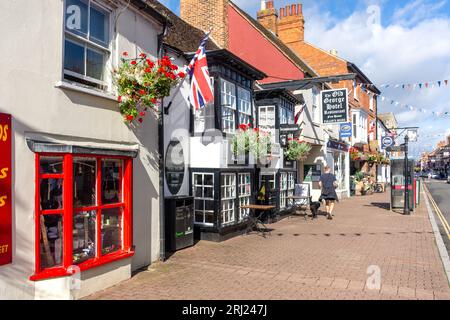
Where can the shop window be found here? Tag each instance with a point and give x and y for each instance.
(83, 212)
(228, 200)
(291, 184)
(228, 103)
(203, 191)
(86, 44)
(245, 194)
(283, 190)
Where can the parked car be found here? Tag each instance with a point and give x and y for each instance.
(435, 176)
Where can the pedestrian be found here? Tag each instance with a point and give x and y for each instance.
(328, 184)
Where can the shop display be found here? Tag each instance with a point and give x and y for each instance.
(111, 230)
(84, 226)
(51, 241)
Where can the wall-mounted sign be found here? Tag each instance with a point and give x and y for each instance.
(175, 166)
(289, 131)
(387, 142)
(345, 130)
(338, 146)
(5, 190)
(334, 106)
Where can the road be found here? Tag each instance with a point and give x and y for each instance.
(440, 191)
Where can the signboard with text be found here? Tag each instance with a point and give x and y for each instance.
(334, 106)
(345, 130)
(5, 190)
(387, 142)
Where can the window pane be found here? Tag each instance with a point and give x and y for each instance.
(51, 241)
(209, 180)
(209, 217)
(84, 182)
(77, 16)
(112, 181)
(94, 64)
(51, 192)
(74, 57)
(51, 165)
(208, 192)
(199, 216)
(84, 235)
(111, 230)
(198, 178)
(99, 26)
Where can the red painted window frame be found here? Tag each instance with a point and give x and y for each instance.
(67, 213)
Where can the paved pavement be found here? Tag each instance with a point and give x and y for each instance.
(306, 260)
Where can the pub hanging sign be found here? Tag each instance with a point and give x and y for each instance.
(5, 190)
(334, 106)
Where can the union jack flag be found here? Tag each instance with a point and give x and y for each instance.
(201, 92)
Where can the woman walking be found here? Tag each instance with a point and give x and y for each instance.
(328, 184)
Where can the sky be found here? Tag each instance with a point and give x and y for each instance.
(392, 42)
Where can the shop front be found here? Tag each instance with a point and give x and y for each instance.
(338, 160)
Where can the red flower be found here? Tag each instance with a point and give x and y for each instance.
(119, 98)
(249, 125)
(182, 74)
(148, 70)
(142, 92)
(256, 129)
(129, 118)
(154, 100)
(150, 63)
(174, 67)
(133, 62)
(140, 120)
(143, 55)
(125, 54)
(142, 114)
(243, 127)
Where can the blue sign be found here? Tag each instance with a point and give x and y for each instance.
(346, 130)
(387, 142)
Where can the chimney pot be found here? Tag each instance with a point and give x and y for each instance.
(282, 12)
(293, 10)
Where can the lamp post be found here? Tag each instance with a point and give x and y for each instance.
(406, 210)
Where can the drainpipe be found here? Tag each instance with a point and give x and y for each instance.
(162, 225)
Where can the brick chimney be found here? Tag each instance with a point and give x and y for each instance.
(291, 24)
(268, 16)
(206, 14)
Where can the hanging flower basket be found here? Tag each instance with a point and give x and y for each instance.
(141, 82)
(297, 150)
(254, 141)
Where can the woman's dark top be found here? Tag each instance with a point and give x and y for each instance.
(328, 188)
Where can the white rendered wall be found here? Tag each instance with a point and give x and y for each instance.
(31, 64)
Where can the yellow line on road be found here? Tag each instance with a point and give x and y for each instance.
(438, 212)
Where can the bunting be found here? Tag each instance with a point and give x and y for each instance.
(410, 86)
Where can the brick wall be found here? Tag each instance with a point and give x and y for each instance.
(291, 24)
(205, 14)
(268, 17)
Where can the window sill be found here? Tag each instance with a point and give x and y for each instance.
(79, 88)
(90, 264)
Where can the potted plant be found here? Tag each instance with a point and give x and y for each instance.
(297, 150)
(141, 82)
(254, 141)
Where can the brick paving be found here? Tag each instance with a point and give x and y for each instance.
(305, 260)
